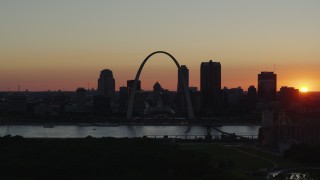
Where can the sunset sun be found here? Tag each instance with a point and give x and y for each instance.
(304, 89)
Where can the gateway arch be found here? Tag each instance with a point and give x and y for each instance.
(185, 88)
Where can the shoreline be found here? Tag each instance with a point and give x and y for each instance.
(99, 124)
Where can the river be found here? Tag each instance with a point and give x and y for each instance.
(80, 131)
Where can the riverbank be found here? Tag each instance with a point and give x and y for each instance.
(8, 119)
(129, 131)
(127, 124)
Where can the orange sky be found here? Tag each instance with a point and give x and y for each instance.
(51, 45)
(159, 68)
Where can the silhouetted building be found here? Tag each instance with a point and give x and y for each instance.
(185, 73)
(106, 84)
(232, 98)
(81, 99)
(252, 92)
(157, 87)
(283, 130)
(61, 99)
(157, 91)
(193, 89)
(288, 95)
(123, 98)
(181, 99)
(252, 98)
(17, 103)
(139, 103)
(210, 86)
(267, 86)
(130, 84)
(161, 100)
(101, 104)
(195, 99)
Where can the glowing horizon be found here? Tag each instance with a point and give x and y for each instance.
(304, 89)
(52, 45)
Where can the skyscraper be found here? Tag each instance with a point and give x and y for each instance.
(288, 96)
(106, 84)
(81, 99)
(252, 98)
(267, 86)
(181, 99)
(130, 84)
(210, 86)
(123, 98)
(185, 72)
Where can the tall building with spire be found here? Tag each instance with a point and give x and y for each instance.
(210, 86)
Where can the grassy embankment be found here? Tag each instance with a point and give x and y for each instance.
(242, 161)
(108, 158)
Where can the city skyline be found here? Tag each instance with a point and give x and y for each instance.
(171, 89)
(64, 44)
(302, 88)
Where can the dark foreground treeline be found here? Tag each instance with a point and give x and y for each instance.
(103, 158)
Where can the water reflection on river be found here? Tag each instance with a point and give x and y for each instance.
(76, 131)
